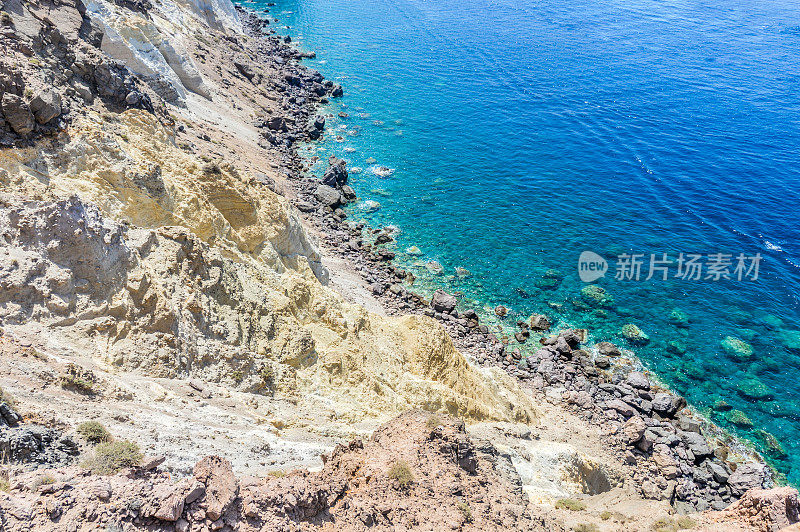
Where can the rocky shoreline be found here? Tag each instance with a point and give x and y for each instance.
(676, 455)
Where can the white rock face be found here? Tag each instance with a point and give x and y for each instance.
(153, 47)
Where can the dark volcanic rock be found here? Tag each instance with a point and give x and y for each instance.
(443, 302)
(46, 106)
(17, 114)
(336, 174)
(328, 196)
(34, 444)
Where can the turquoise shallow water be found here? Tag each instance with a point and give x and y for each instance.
(520, 133)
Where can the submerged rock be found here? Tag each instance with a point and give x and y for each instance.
(739, 418)
(771, 444)
(679, 318)
(434, 267)
(676, 347)
(370, 206)
(462, 273)
(737, 348)
(791, 341)
(634, 335)
(754, 389)
(596, 296)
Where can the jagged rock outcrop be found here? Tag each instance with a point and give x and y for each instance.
(417, 471)
(761, 510)
(52, 70)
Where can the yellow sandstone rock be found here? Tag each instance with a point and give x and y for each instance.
(212, 276)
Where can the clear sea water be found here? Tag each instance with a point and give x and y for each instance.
(523, 132)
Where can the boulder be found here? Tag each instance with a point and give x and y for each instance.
(17, 114)
(8, 416)
(243, 66)
(348, 193)
(443, 302)
(277, 123)
(540, 322)
(719, 472)
(746, 477)
(774, 509)
(608, 349)
(336, 174)
(697, 444)
(666, 404)
(637, 379)
(328, 196)
(666, 464)
(632, 430)
(46, 106)
(621, 406)
(221, 485)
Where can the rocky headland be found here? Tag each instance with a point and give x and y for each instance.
(195, 337)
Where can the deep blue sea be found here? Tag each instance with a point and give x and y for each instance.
(505, 137)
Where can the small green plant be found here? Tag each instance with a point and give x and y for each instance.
(76, 383)
(237, 376)
(465, 510)
(570, 504)
(586, 527)
(401, 473)
(5, 485)
(668, 524)
(267, 375)
(78, 379)
(606, 515)
(433, 422)
(93, 432)
(43, 480)
(110, 457)
(277, 473)
(212, 168)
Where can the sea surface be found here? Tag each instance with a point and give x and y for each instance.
(503, 138)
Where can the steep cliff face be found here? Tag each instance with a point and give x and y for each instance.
(151, 42)
(151, 260)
